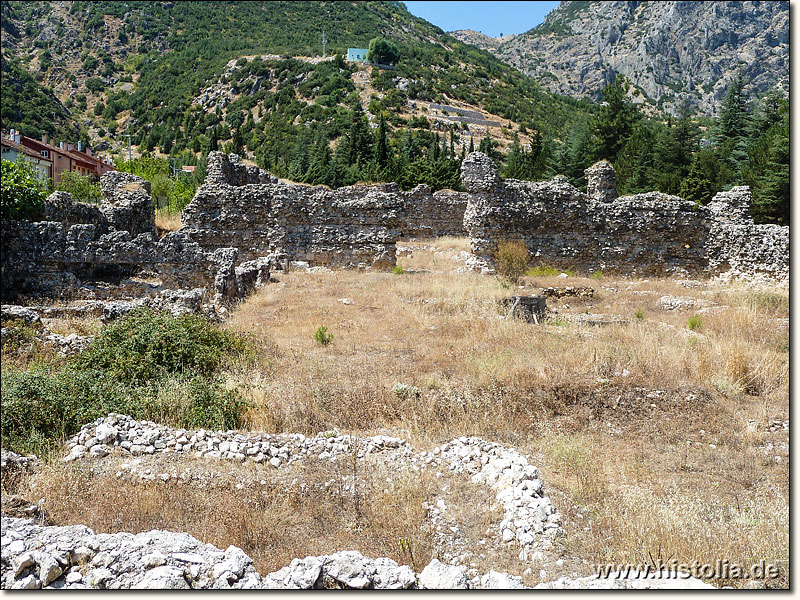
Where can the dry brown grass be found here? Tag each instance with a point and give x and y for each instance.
(632, 473)
(553, 386)
(167, 221)
(272, 523)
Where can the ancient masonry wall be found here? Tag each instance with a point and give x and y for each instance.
(112, 251)
(245, 208)
(651, 234)
(242, 221)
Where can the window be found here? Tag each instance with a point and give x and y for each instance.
(45, 153)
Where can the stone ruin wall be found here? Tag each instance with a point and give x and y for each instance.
(243, 207)
(243, 221)
(651, 234)
(110, 251)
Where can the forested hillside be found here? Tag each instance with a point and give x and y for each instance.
(185, 78)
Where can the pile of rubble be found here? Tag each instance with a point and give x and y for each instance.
(74, 557)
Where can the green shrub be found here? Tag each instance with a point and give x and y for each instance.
(95, 84)
(42, 408)
(21, 191)
(322, 336)
(544, 270)
(148, 344)
(639, 314)
(597, 275)
(397, 270)
(695, 323)
(149, 365)
(512, 259)
(80, 187)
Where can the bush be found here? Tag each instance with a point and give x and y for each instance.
(397, 270)
(322, 336)
(639, 314)
(42, 408)
(597, 275)
(695, 323)
(512, 259)
(149, 365)
(147, 345)
(80, 187)
(21, 191)
(95, 84)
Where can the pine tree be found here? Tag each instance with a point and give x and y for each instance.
(514, 168)
(732, 118)
(238, 142)
(613, 124)
(696, 188)
(359, 136)
(381, 144)
(300, 157)
(214, 139)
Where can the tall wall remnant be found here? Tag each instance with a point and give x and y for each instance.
(651, 234)
(601, 182)
(242, 221)
(359, 225)
(81, 251)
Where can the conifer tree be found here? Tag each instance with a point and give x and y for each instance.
(381, 144)
(613, 124)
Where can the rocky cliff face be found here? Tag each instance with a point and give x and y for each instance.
(672, 52)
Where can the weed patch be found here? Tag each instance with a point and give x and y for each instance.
(512, 259)
(151, 366)
(322, 336)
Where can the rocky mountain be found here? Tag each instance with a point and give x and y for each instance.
(481, 40)
(674, 53)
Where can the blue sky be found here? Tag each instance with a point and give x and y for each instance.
(490, 18)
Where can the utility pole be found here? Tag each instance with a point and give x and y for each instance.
(323, 43)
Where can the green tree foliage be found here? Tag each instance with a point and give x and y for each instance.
(22, 192)
(170, 193)
(697, 188)
(80, 187)
(300, 120)
(613, 123)
(29, 107)
(766, 168)
(382, 52)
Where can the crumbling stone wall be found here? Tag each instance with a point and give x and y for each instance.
(601, 182)
(434, 215)
(651, 234)
(242, 221)
(112, 250)
(359, 225)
